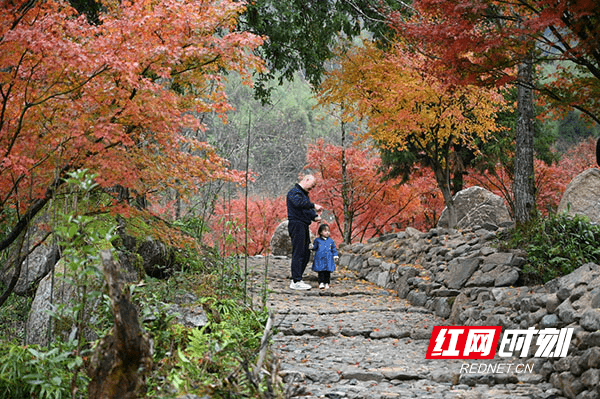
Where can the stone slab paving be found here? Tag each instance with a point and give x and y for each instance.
(358, 340)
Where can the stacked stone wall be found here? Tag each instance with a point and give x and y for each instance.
(463, 277)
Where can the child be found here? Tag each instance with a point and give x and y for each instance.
(325, 256)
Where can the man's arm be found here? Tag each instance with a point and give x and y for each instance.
(300, 200)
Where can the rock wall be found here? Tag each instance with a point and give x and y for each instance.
(462, 276)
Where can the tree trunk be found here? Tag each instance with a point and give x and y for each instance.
(123, 357)
(345, 192)
(598, 152)
(442, 176)
(524, 183)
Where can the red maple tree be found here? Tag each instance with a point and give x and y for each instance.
(482, 40)
(375, 205)
(120, 98)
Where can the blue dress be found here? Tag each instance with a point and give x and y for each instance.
(325, 250)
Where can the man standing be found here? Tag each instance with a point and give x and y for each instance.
(301, 213)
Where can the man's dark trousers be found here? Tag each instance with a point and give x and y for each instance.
(300, 253)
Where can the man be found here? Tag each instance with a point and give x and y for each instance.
(301, 213)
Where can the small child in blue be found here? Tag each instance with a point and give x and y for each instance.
(325, 256)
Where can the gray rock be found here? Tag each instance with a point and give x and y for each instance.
(566, 312)
(499, 258)
(563, 293)
(158, 259)
(383, 279)
(461, 271)
(457, 308)
(386, 266)
(189, 317)
(49, 295)
(586, 301)
(476, 206)
(588, 395)
(402, 286)
(481, 278)
(374, 261)
(486, 251)
(507, 278)
(590, 320)
(595, 298)
(499, 294)
(417, 298)
(591, 378)
(356, 373)
(33, 269)
(444, 292)
(356, 263)
(591, 358)
(580, 276)
(281, 244)
(552, 303)
(577, 366)
(590, 340)
(412, 232)
(581, 195)
(568, 383)
(528, 305)
(399, 373)
(536, 317)
(444, 376)
(441, 307)
(550, 321)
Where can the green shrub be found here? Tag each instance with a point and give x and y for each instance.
(555, 245)
(27, 372)
(221, 351)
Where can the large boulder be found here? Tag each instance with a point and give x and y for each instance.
(582, 195)
(58, 290)
(33, 269)
(139, 255)
(281, 244)
(51, 292)
(158, 258)
(476, 206)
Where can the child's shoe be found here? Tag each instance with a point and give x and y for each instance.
(326, 286)
(322, 285)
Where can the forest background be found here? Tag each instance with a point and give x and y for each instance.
(294, 135)
(91, 95)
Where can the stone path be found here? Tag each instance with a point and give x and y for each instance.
(357, 340)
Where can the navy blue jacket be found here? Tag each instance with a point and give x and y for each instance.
(299, 206)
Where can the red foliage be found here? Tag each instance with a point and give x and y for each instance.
(551, 180)
(376, 206)
(228, 224)
(482, 40)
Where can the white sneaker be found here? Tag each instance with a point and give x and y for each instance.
(322, 285)
(300, 285)
(326, 286)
